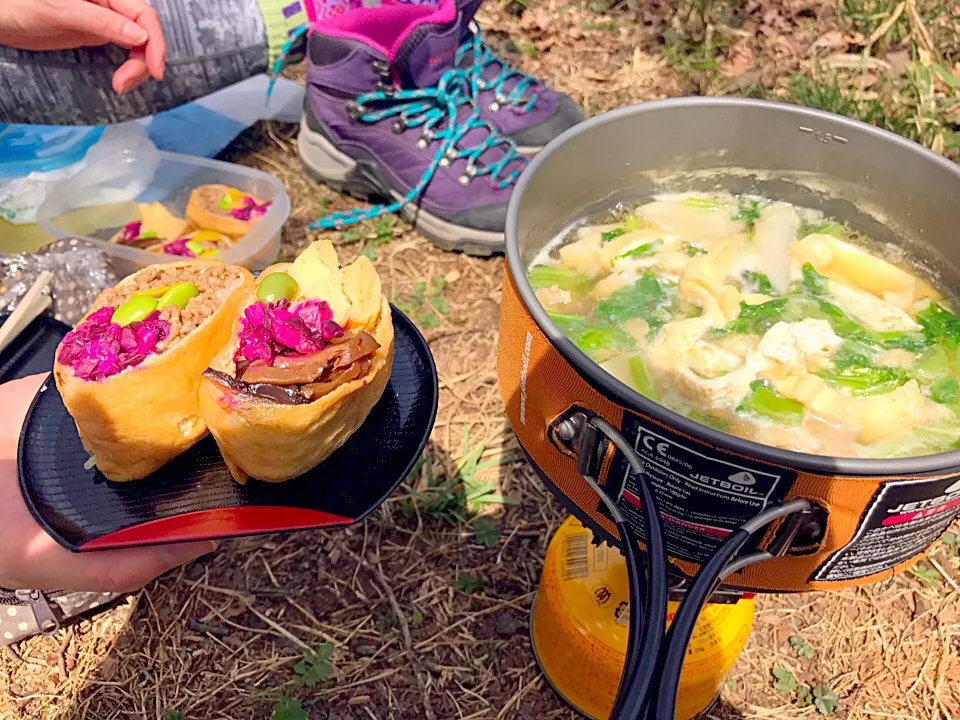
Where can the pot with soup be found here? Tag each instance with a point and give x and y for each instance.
(760, 297)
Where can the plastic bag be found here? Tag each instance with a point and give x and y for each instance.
(33, 159)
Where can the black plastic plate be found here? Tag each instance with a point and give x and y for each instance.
(194, 496)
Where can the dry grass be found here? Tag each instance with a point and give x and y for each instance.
(221, 638)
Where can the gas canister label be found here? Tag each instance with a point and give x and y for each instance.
(704, 493)
(902, 521)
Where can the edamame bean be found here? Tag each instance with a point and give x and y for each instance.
(179, 295)
(196, 247)
(275, 286)
(134, 309)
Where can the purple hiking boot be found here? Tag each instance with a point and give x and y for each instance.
(389, 116)
(519, 105)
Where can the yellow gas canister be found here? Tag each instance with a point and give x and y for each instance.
(579, 629)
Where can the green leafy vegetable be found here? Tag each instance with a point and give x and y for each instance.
(825, 700)
(837, 230)
(945, 391)
(748, 212)
(863, 380)
(853, 354)
(766, 402)
(814, 282)
(940, 325)
(645, 250)
(611, 234)
(693, 250)
(600, 340)
(704, 203)
(757, 319)
(546, 276)
(785, 681)
(717, 423)
(641, 379)
(758, 282)
(932, 365)
(636, 300)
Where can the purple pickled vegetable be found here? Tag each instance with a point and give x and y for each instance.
(331, 331)
(131, 232)
(271, 329)
(99, 348)
(179, 248)
(250, 210)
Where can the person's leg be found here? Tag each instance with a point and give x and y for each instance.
(210, 44)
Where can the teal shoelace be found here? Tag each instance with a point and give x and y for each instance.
(523, 95)
(437, 110)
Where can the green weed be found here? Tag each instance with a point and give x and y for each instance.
(486, 532)
(373, 235)
(288, 708)
(470, 583)
(801, 647)
(426, 305)
(927, 575)
(461, 496)
(315, 666)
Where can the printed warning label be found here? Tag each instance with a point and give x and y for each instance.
(704, 493)
(903, 520)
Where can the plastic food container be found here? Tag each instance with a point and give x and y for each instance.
(97, 202)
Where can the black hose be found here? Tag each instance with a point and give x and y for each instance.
(647, 621)
(703, 586)
(635, 565)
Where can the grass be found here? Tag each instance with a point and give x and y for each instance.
(373, 235)
(463, 495)
(909, 106)
(426, 304)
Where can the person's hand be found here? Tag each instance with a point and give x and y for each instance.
(70, 24)
(32, 560)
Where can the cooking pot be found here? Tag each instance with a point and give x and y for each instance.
(870, 518)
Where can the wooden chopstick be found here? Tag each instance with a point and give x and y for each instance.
(29, 307)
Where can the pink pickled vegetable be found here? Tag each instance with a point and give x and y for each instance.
(131, 231)
(98, 348)
(250, 210)
(271, 329)
(179, 247)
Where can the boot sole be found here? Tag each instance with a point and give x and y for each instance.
(324, 162)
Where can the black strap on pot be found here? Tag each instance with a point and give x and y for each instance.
(652, 653)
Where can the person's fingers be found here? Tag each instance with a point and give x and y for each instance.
(147, 18)
(46, 565)
(15, 399)
(86, 18)
(132, 73)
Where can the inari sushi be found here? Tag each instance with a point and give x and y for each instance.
(310, 356)
(225, 210)
(130, 372)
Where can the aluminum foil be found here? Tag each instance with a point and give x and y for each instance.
(80, 273)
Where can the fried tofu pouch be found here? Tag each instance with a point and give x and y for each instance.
(135, 422)
(204, 212)
(274, 442)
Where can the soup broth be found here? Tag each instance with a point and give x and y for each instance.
(763, 320)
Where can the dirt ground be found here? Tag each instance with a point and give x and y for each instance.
(424, 611)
